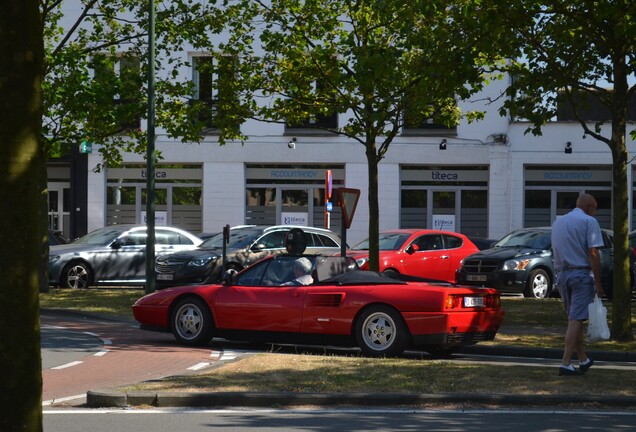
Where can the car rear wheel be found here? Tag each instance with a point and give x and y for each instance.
(538, 284)
(381, 331)
(191, 321)
(76, 276)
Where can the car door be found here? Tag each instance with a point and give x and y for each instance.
(430, 260)
(123, 260)
(251, 305)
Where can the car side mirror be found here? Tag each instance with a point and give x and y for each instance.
(412, 249)
(118, 243)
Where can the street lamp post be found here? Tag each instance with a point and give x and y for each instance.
(150, 155)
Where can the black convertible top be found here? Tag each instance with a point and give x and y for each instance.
(361, 277)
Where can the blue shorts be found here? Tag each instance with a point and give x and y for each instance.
(577, 292)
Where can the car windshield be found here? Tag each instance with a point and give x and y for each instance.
(530, 239)
(100, 237)
(388, 241)
(239, 238)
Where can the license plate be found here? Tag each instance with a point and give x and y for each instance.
(164, 277)
(476, 278)
(473, 302)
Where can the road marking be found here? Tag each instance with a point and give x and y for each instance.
(100, 353)
(199, 366)
(67, 365)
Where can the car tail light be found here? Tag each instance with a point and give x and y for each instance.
(493, 301)
(453, 302)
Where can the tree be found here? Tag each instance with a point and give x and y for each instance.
(96, 73)
(379, 63)
(581, 53)
(24, 236)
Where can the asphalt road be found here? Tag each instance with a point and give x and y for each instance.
(84, 353)
(357, 420)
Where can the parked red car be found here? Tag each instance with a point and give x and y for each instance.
(342, 306)
(431, 254)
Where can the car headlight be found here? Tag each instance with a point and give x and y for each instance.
(200, 262)
(516, 265)
(362, 261)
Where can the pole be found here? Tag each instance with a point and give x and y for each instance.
(150, 155)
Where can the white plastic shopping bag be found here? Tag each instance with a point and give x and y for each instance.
(597, 325)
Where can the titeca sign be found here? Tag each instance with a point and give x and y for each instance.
(444, 222)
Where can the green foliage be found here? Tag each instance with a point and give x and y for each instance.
(570, 53)
(95, 86)
(380, 63)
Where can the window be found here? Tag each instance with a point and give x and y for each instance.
(316, 121)
(274, 240)
(135, 239)
(429, 242)
(435, 124)
(119, 83)
(324, 241)
(212, 78)
(589, 107)
(452, 242)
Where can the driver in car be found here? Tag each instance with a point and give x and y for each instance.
(302, 273)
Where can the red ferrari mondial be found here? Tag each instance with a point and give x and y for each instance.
(343, 306)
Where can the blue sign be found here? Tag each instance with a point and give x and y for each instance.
(329, 206)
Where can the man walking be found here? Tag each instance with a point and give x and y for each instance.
(575, 239)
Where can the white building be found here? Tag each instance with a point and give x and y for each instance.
(490, 179)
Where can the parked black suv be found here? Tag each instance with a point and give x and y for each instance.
(521, 262)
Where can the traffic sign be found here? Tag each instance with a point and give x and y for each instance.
(348, 200)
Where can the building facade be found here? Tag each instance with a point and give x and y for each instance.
(483, 179)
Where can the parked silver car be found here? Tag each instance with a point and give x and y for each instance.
(112, 255)
(248, 244)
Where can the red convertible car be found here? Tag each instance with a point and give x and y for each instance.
(343, 306)
(432, 254)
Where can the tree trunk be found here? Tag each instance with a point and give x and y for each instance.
(621, 302)
(374, 212)
(23, 217)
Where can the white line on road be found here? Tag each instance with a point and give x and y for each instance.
(67, 365)
(199, 366)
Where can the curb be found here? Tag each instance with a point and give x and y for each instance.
(108, 399)
(547, 353)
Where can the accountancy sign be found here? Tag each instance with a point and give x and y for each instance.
(290, 174)
(568, 176)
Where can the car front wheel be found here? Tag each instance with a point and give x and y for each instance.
(191, 321)
(381, 332)
(76, 276)
(538, 284)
